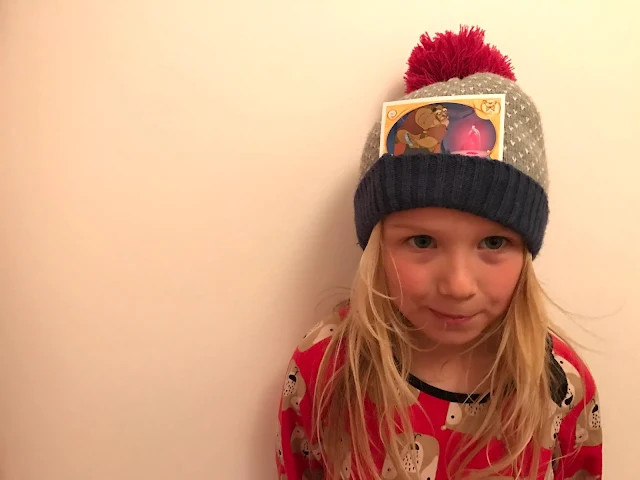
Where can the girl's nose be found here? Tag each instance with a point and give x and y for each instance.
(456, 279)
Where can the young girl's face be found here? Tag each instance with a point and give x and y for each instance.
(452, 274)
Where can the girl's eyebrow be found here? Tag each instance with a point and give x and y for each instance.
(403, 225)
(413, 227)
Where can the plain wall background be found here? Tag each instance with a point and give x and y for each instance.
(176, 212)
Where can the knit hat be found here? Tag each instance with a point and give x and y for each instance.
(465, 136)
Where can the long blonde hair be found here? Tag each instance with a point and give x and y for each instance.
(369, 356)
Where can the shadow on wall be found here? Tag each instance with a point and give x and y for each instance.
(324, 266)
(323, 269)
(331, 269)
(320, 274)
(328, 262)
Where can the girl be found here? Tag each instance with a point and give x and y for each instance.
(444, 363)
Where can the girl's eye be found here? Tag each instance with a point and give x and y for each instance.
(421, 241)
(494, 243)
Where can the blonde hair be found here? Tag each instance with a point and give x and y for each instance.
(370, 354)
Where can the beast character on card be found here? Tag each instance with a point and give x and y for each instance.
(423, 129)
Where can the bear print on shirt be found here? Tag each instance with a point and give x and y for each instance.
(465, 417)
(575, 392)
(294, 389)
(345, 461)
(324, 329)
(589, 429)
(300, 444)
(554, 421)
(419, 460)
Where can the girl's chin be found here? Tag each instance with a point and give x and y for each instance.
(453, 338)
(460, 333)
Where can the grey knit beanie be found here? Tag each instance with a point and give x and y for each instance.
(427, 149)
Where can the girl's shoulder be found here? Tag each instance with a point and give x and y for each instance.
(322, 331)
(568, 357)
(309, 353)
(581, 383)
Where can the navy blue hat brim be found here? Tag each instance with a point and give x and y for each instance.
(485, 187)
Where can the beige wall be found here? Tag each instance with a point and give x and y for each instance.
(176, 212)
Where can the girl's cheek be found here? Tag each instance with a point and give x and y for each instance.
(410, 277)
(391, 276)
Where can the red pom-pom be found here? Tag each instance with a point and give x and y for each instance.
(450, 55)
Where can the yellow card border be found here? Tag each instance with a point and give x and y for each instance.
(398, 108)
